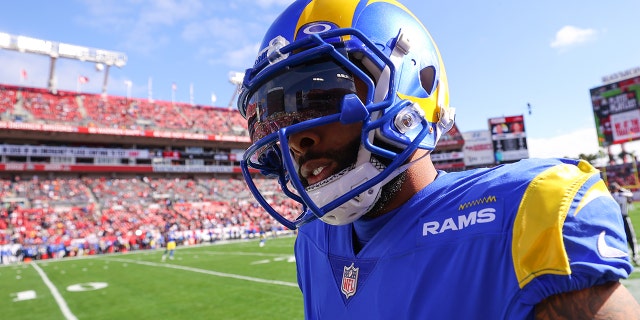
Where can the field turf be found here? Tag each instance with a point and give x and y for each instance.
(237, 280)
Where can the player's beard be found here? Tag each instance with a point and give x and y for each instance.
(388, 193)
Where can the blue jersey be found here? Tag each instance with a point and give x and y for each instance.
(480, 244)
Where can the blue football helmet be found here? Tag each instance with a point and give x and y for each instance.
(347, 61)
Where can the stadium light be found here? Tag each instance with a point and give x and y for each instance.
(33, 45)
(128, 83)
(236, 79)
(57, 50)
(5, 40)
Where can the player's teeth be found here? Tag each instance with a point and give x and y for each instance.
(317, 171)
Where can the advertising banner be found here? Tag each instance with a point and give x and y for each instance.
(509, 138)
(478, 148)
(616, 111)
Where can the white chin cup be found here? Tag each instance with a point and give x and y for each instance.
(354, 208)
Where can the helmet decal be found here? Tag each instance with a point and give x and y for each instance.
(317, 27)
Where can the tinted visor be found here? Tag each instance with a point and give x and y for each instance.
(310, 90)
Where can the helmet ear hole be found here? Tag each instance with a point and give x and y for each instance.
(428, 78)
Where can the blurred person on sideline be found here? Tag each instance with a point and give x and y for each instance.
(170, 249)
(344, 104)
(624, 198)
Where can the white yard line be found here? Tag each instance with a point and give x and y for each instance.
(236, 253)
(62, 304)
(214, 273)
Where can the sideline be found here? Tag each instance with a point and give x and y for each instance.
(62, 304)
(147, 251)
(214, 273)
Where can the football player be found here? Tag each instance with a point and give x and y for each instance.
(344, 104)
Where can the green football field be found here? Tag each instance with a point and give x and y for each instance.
(634, 213)
(238, 280)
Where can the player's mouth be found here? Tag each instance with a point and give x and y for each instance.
(315, 171)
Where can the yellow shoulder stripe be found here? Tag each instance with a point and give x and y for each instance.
(538, 247)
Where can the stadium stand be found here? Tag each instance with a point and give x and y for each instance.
(56, 206)
(95, 110)
(65, 216)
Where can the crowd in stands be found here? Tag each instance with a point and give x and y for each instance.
(59, 216)
(97, 110)
(625, 174)
(44, 218)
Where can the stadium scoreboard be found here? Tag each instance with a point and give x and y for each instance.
(616, 110)
(509, 138)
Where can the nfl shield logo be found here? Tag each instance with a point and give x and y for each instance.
(349, 281)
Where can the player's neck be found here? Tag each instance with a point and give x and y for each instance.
(418, 176)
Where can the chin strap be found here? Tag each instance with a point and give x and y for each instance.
(360, 204)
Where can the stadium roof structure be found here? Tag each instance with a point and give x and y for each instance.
(57, 50)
